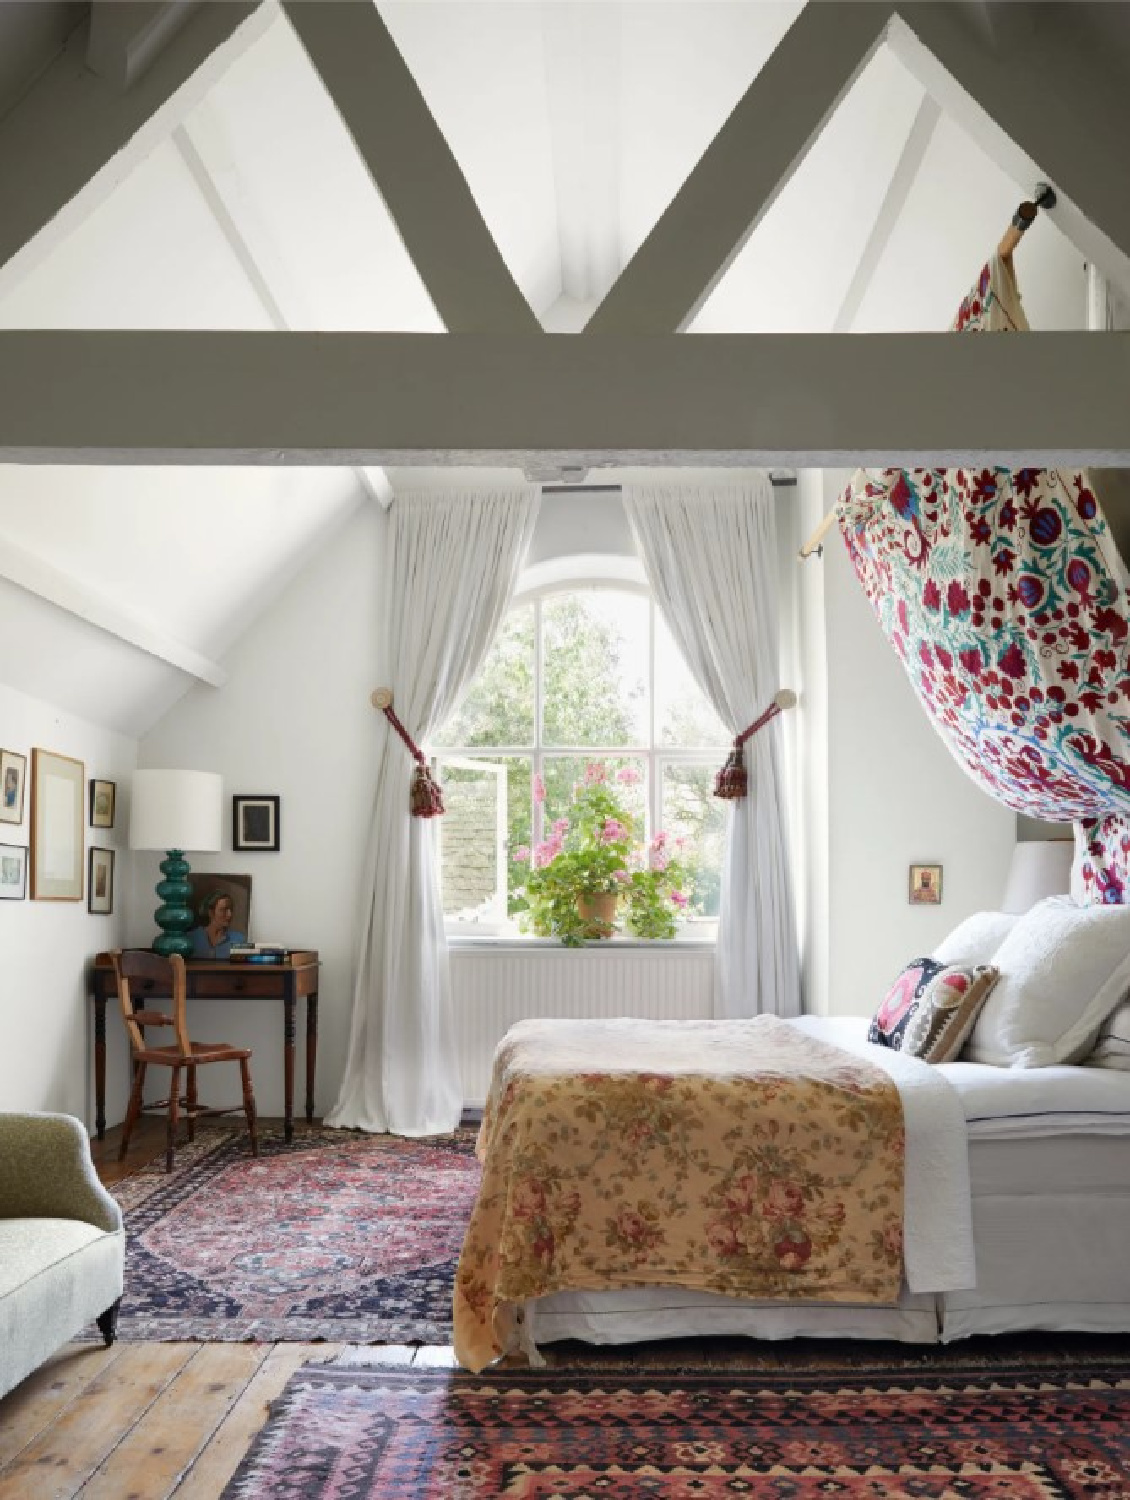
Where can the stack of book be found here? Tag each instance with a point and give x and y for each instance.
(259, 953)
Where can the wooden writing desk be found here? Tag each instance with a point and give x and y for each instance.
(216, 979)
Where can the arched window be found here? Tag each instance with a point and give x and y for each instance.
(578, 674)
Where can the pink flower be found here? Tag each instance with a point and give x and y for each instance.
(621, 876)
(613, 831)
(546, 853)
(679, 899)
(628, 776)
(658, 861)
(539, 789)
(659, 841)
(561, 827)
(595, 773)
(521, 854)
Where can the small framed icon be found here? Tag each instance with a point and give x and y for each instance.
(925, 885)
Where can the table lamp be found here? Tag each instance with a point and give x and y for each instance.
(1039, 868)
(175, 811)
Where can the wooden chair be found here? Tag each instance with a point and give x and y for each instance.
(135, 969)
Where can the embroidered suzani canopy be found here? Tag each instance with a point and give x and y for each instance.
(1005, 597)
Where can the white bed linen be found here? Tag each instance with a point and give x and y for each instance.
(937, 1221)
(1018, 1103)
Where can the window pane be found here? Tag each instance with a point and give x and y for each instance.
(499, 708)
(563, 772)
(691, 812)
(594, 645)
(683, 716)
(488, 816)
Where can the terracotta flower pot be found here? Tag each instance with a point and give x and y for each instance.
(598, 913)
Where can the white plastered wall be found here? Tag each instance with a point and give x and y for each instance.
(46, 1061)
(293, 720)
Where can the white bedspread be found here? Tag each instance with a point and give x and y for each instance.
(937, 1217)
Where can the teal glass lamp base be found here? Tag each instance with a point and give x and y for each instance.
(174, 916)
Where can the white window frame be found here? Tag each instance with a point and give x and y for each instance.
(655, 757)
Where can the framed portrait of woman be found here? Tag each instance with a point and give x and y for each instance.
(222, 907)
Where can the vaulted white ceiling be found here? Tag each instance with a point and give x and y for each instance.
(574, 125)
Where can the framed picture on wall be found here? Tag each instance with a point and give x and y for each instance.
(255, 823)
(13, 775)
(100, 882)
(925, 885)
(103, 795)
(13, 872)
(57, 786)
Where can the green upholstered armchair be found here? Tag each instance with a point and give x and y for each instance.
(62, 1245)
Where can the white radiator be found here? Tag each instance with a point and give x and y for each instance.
(494, 987)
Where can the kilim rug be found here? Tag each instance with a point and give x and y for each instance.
(901, 1430)
(337, 1236)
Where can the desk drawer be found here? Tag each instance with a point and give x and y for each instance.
(233, 985)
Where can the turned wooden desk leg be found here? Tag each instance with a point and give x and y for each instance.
(311, 1052)
(100, 1066)
(289, 1031)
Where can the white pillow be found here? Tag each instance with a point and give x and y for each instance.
(1064, 969)
(1112, 1050)
(976, 940)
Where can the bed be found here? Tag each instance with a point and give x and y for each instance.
(1017, 1179)
(1049, 1177)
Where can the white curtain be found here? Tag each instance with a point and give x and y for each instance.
(451, 562)
(711, 560)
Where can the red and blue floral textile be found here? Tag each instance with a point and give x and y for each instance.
(1004, 595)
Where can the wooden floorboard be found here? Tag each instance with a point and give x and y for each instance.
(68, 1452)
(32, 1407)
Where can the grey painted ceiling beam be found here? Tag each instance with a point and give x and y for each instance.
(127, 35)
(739, 176)
(412, 166)
(395, 398)
(84, 134)
(1040, 108)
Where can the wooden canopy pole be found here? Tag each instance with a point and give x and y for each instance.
(1022, 220)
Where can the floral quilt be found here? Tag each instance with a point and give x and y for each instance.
(1007, 602)
(740, 1157)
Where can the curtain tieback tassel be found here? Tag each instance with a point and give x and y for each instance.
(425, 799)
(732, 780)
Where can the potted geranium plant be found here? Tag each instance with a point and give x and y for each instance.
(591, 862)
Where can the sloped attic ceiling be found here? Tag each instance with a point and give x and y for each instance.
(574, 125)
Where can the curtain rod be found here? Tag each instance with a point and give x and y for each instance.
(778, 481)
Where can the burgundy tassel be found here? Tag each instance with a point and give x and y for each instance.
(732, 781)
(426, 799)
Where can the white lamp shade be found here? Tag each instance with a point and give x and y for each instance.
(176, 810)
(1039, 868)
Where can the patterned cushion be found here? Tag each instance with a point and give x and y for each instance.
(947, 1011)
(931, 1007)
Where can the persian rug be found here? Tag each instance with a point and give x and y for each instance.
(337, 1236)
(795, 1428)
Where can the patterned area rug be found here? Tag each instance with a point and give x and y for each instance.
(336, 1236)
(362, 1433)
